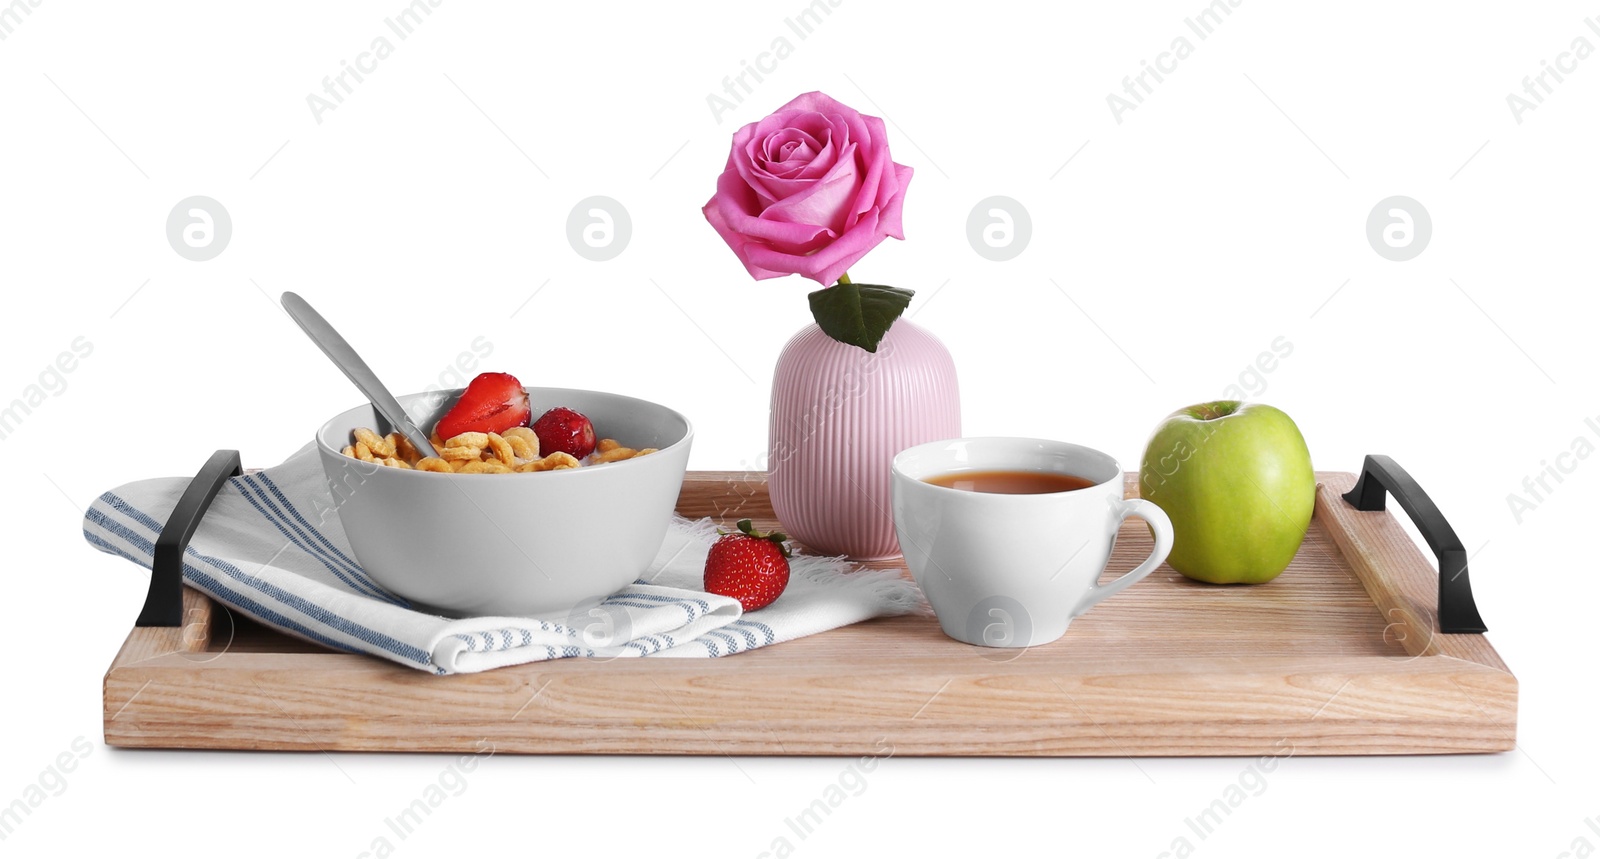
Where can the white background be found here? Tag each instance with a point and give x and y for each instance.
(1225, 211)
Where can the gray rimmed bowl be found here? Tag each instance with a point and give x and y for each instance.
(532, 544)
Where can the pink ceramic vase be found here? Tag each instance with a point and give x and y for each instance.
(839, 416)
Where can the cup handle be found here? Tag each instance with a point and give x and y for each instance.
(1160, 527)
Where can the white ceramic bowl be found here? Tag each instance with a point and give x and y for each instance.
(532, 544)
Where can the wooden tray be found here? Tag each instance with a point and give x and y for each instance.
(1338, 655)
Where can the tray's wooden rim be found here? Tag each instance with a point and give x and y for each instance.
(291, 710)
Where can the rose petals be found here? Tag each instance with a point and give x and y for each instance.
(808, 190)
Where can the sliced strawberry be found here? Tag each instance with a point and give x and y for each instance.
(562, 429)
(493, 402)
(750, 566)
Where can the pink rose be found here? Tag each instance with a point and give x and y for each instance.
(808, 190)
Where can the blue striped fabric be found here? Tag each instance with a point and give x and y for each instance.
(298, 538)
(260, 553)
(242, 601)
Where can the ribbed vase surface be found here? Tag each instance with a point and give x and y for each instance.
(839, 415)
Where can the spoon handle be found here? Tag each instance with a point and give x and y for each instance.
(345, 357)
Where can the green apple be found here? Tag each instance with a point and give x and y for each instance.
(1236, 481)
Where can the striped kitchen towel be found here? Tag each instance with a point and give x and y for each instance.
(258, 552)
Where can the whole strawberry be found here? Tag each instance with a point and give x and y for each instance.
(749, 566)
(564, 430)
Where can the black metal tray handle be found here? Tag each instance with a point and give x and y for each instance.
(163, 604)
(1381, 476)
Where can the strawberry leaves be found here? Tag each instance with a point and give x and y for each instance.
(777, 538)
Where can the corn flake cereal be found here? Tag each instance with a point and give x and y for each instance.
(514, 451)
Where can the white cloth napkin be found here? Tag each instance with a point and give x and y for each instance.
(257, 552)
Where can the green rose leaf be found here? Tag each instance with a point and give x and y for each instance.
(858, 313)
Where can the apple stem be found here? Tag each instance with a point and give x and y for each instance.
(1219, 409)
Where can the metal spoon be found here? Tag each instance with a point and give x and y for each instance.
(345, 358)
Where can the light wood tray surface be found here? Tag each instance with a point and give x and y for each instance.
(1338, 655)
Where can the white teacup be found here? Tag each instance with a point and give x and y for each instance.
(1005, 570)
